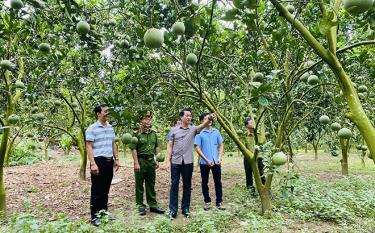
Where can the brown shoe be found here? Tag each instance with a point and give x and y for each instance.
(207, 206)
(220, 206)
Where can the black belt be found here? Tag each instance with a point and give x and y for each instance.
(107, 159)
(146, 158)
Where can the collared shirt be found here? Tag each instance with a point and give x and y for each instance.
(147, 142)
(183, 142)
(209, 141)
(102, 138)
(250, 142)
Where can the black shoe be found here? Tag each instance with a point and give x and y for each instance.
(252, 190)
(172, 215)
(142, 211)
(157, 210)
(186, 213)
(95, 222)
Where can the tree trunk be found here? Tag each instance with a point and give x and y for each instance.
(46, 143)
(265, 198)
(363, 156)
(291, 154)
(306, 147)
(83, 163)
(2, 193)
(263, 190)
(316, 151)
(344, 160)
(3, 149)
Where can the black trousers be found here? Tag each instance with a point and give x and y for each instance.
(249, 171)
(186, 171)
(100, 185)
(216, 173)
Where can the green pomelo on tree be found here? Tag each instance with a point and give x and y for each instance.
(57, 103)
(19, 84)
(313, 80)
(29, 135)
(291, 8)
(355, 7)
(335, 126)
(344, 133)
(191, 59)
(258, 77)
(334, 153)
(44, 48)
(83, 27)
(362, 89)
(6, 65)
(178, 28)
(13, 119)
(16, 4)
(126, 138)
(305, 76)
(279, 158)
(324, 119)
(160, 157)
(134, 140)
(153, 38)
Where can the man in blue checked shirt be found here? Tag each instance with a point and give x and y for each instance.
(103, 156)
(209, 146)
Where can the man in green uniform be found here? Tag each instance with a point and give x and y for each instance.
(143, 153)
(250, 144)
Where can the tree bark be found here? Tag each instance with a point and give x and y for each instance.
(344, 160)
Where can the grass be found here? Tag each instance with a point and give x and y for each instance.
(322, 201)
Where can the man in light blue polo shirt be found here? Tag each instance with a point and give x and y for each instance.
(103, 156)
(209, 146)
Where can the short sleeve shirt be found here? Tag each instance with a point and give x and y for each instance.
(183, 144)
(209, 142)
(102, 138)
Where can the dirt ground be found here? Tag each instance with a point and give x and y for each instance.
(53, 187)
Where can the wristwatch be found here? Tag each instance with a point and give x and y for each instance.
(115, 158)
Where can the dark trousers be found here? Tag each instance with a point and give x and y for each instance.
(216, 173)
(249, 171)
(186, 171)
(100, 185)
(145, 176)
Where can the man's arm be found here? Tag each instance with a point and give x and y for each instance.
(205, 123)
(90, 155)
(169, 150)
(137, 168)
(115, 155)
(221, 151)
(200, 153)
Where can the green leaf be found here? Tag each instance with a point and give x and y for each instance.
(263, 101)
(231, 15)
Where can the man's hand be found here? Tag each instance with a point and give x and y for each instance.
(156, 164)
(218, 162)
(137, 168)
(94, 169)
(209, 163)
(212, 117)
(117, 165)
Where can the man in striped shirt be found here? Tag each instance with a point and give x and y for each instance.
(103, 156)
